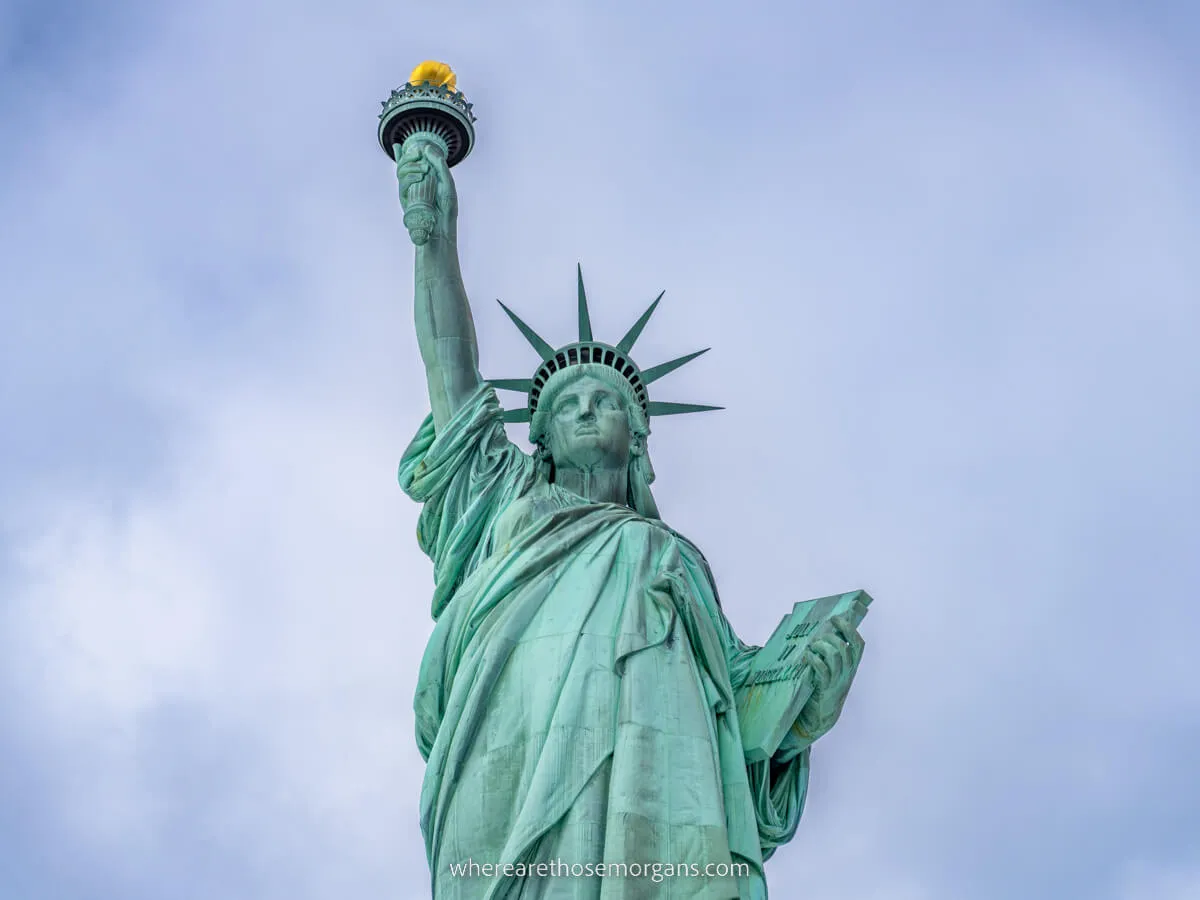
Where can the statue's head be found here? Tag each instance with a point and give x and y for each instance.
(588, 406)
(588, 419)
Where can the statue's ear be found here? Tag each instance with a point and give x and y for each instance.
(637, 445)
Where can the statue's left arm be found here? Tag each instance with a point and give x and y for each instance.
(833, 660)
(779, 785)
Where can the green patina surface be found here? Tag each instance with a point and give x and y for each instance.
(583, 698)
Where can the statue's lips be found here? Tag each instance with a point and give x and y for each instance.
(587, 429)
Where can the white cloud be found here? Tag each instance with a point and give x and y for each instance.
(270, 588)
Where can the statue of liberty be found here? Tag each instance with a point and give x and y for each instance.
(576, 702)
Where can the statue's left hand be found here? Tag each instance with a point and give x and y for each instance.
(834, 661)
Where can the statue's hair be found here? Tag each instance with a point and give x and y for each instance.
(641, 472)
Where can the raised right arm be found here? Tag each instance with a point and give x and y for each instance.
(445, 328)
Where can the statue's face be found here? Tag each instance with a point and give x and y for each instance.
(589, 426)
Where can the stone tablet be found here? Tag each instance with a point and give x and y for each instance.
(779, 684)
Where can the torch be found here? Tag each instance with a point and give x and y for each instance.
(428, 109)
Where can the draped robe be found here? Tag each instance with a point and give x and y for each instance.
(575, 702)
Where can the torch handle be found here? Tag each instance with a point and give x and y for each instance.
(420, 203)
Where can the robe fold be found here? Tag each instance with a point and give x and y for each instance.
(575, 702)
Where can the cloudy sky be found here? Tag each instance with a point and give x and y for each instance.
(947, 258)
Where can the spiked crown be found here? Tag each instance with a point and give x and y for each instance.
(588, 351)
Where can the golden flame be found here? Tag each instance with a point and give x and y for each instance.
(437, 73)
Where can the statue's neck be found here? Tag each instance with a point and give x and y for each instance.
(595, 485)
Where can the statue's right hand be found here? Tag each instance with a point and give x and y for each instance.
(411, 167)
(422, 161)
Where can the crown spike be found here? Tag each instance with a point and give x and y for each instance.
(524, 385)
(656, 372)
(659, 408)
(625, 344)
(545, 351)
(517, 416)
(585, 321)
